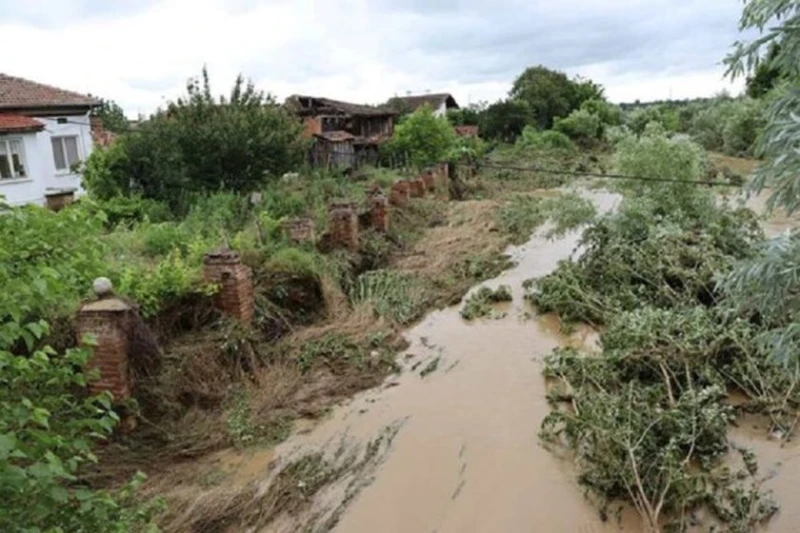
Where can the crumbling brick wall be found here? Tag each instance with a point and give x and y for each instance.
(400, 193)
(417, 187)
(299, 230)
(379, 210)
(343, 224)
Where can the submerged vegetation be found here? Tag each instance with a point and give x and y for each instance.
(481, 303)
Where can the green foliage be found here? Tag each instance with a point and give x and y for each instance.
(128, 209)
(199, 144)
(46, 435)
(170, 279)
(777, 22)
(47, 261)
(504, 120)
(467, 116)
(481, 303)
(654, 155)
(425, 138)
(581, 126)
(112, 116)
(396, 296)
(531, 138)
(520, 217)
(767, 75)
(652, 251)
(609, 114)
(550, 94)
(295, 261)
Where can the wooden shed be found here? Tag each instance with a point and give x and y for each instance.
(334, 149)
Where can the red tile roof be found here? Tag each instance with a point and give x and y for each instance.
(17, 93)
(18, 124)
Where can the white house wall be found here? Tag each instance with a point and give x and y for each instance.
(38, 154)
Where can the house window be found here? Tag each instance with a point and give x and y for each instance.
(65, 152)
(12, 161)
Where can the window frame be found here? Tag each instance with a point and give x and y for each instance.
(7, 140)
(68, 170)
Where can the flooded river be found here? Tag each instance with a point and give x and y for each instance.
(466, 456)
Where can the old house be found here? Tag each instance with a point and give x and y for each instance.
(440, 103)
(346, 134)
(45, 134)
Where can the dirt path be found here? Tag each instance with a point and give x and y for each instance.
(467, 455)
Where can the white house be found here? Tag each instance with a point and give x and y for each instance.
(45, 133)
(440, 103)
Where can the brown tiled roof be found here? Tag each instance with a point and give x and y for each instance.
(433, 100)
(313, 105)
(17, 93)
(18, 124)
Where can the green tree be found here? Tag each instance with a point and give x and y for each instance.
(467, 116)
(550, 94)
(504, 120)
(770, 285)
(112, 115)
(202, 144)
(424, 138)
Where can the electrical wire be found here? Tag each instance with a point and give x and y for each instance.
(608, 176)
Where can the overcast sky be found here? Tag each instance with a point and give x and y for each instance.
(140, 52)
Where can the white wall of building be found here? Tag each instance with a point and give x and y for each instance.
(38, 155)
(440, 111)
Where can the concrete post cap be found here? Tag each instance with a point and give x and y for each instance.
(103, 287)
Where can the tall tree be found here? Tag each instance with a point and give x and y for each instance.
(550, 94)
(770, 284)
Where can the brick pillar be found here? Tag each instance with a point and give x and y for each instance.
(400, 193)
(429, 180)
(379, 211)
(343, 224)
(235, 297)
(417, 187)
(108, 321)
(299, 230)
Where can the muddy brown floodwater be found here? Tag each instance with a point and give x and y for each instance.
(466, 456)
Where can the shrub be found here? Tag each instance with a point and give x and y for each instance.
(481, 303)
(46, 435)
(399, 297)
(47, 261)
(152, 289)
(550, 139)
(581, 126)
(423, 138)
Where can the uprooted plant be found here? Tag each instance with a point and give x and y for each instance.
(482, 303)
(647, 420)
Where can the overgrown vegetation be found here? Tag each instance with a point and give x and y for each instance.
(523, 214)
(199, 144)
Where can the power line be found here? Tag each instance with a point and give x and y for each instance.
(609, 176)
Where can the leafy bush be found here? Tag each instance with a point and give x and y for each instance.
(152, 289)
(200, 145)
(656, 156)
(47, 261)
(550, 139)
(424, 138)
(46, 435)
(609, 114)
(520, 217)
(581, 126)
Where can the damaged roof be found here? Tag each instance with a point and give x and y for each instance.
(19, 93)
(316, 105)
(433, 100)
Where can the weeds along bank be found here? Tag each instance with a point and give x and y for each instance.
(647, 419)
